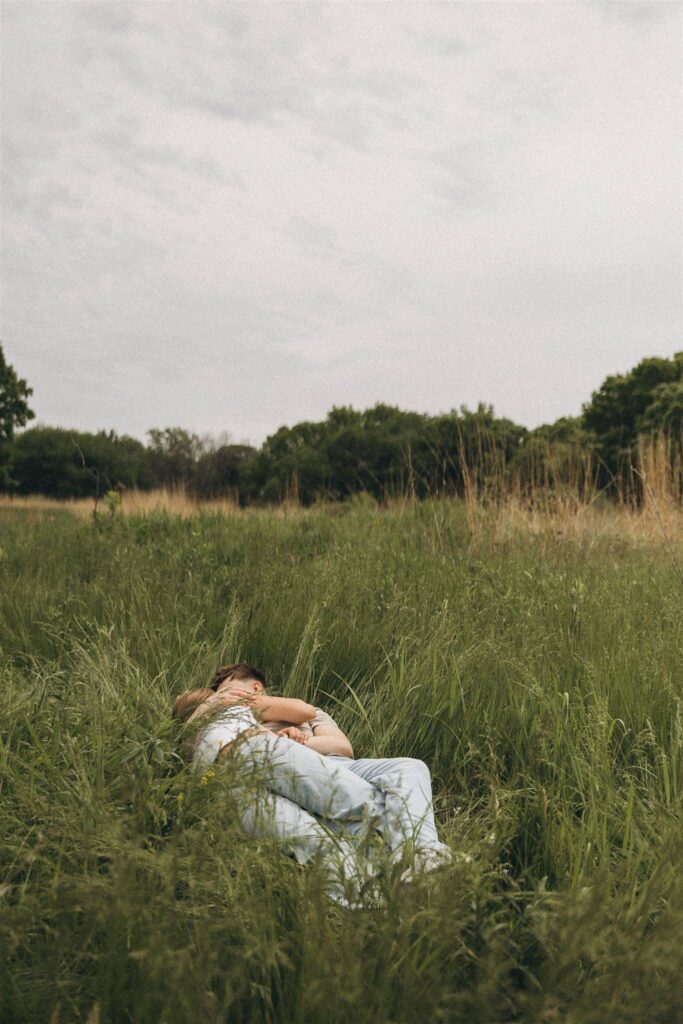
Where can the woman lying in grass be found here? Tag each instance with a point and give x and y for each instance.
(309, 784)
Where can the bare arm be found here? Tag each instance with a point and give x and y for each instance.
(328, 739)
(283, 709)
(272, 709)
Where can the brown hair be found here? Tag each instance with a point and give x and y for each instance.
(186, 703)
(238, 671)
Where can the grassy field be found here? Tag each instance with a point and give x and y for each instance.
(534, 661)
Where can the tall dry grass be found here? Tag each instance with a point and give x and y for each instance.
(655, 522)
(175, 501)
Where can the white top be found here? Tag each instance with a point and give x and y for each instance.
(227, 725)
(223, 728)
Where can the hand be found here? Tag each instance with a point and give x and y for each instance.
(295, 734)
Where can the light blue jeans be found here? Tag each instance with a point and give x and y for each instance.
(406, 787)
(326, 807)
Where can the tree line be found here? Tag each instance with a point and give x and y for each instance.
(383, 451)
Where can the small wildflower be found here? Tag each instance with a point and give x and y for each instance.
(205, 778)
(180, 797)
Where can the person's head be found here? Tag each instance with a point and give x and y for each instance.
(241, 675)
(187, 703)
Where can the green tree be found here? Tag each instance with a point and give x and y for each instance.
(626, 404)
(665, 411)
(556, 454)
(14, 412)
(70, 464)
(219, 470)
(383, 451)
(174, 454)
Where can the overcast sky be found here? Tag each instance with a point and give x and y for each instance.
(231, 216)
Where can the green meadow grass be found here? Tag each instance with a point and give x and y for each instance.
(539, 676)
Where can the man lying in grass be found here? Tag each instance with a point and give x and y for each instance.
(313, 785)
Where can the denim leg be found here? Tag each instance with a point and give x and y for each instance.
(313, 781)
(406, 784)
(267, 815)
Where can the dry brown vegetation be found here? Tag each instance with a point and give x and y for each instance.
(175, 502)
(648, 510)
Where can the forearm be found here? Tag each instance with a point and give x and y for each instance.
(283, 709)
(331, 745)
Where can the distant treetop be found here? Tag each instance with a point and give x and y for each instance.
(14, 412)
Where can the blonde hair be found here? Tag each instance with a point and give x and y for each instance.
(188, 701)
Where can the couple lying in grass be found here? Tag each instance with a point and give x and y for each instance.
(309, 791)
